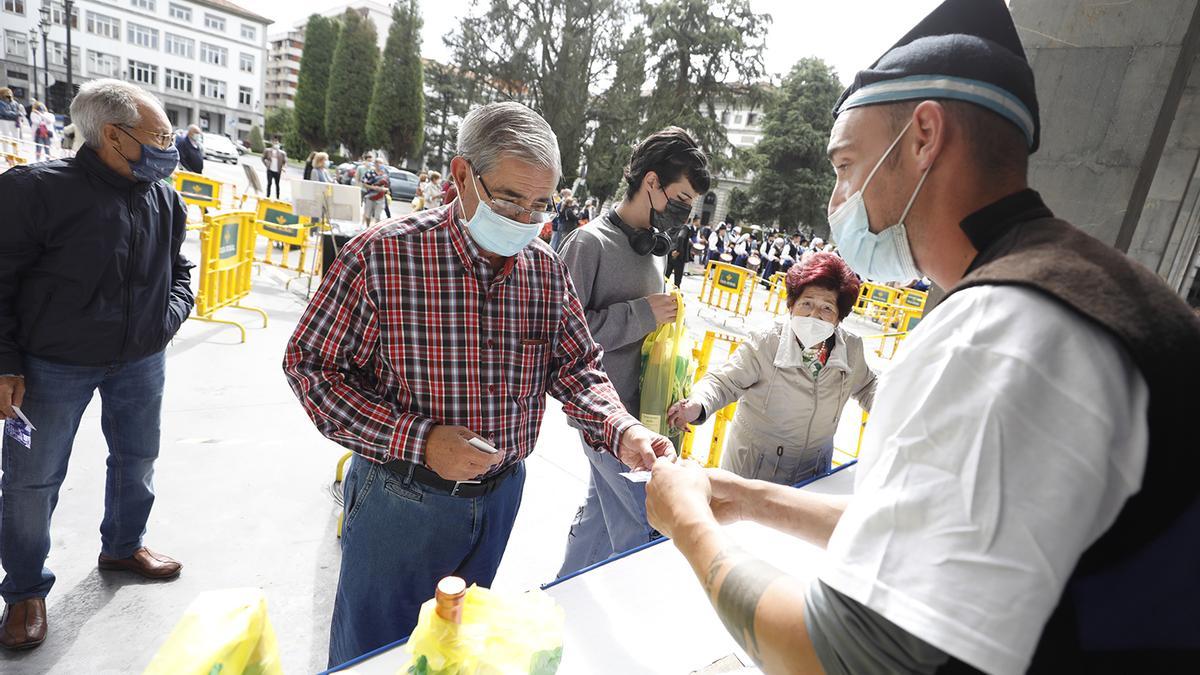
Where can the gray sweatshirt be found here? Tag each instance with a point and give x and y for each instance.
(612, 282)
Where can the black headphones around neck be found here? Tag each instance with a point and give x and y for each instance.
(642, 241)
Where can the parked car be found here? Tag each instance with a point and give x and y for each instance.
(220, 148)
(403, 184)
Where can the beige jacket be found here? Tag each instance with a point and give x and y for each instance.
(785, 420)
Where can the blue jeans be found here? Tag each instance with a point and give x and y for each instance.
(613, 518)
(398, 540)
(55, 398)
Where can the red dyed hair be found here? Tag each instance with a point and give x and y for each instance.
(828, 271)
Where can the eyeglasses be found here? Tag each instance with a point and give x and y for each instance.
(821, 310)
(510, 210)
(164, 139)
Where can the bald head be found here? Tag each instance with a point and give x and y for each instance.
(194, 130)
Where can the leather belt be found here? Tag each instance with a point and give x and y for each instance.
(456, 488)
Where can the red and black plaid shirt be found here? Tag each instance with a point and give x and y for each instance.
(412, 328)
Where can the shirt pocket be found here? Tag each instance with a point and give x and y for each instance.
(529, 370)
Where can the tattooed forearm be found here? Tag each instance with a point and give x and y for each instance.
(737, 595)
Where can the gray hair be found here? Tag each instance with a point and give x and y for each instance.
(496, 131)
(107, 101)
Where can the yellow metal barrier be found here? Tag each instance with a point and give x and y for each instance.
(198, 190)
(725, 415)
(728, 287)
(226, 258)
(277, 222)
(777, 297)
(339, 476)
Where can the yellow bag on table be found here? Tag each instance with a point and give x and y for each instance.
(496, 634)
(226, 632)
(667, 374)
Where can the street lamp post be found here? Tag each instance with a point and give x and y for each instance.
(33, 38)
(44, 26)
(68, 5)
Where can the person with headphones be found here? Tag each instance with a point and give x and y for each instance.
(617, 265)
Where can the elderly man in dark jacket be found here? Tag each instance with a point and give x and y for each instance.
(191, 149)
(92, 287)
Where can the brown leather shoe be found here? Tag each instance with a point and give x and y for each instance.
(24, 624)
(144, 562)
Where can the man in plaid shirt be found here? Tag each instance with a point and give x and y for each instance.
(447, 327)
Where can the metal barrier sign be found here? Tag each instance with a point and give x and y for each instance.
(198, 190)
(728, 287)
(227, 251)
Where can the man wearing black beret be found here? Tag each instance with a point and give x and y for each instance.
(1025, 496)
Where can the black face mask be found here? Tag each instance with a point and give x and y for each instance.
(671, 217)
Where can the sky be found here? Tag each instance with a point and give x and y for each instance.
(847, 34)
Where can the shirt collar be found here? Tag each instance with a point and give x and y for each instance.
(987, 224)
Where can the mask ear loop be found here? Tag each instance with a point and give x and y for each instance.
(913, 198)
(885, 156)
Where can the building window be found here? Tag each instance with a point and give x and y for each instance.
(212, 88)
(105, 65)
(143, 36)
(143, 73)
(751, 118)
(180, 12)
(58, 54)
(245, 96)
(147, 5)
(214, 22)
(177, 80)
(14, 6)
(217, 56)
(725, 118)
(104, 26)
(180, 46)
(58, 15)
(249, 32)
(15, 44)
(246, 63)
(737, 119)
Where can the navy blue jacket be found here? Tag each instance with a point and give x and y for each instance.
(191, 157)
(90, 269)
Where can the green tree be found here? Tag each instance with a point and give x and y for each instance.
(445, 103)
(256, 139)
(396, 118)
(792, 178)
(551, 54)
(618, 112)
(705, 51)
(320, 39)
(349, 90)
(279, 124)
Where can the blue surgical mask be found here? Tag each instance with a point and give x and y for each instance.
(155, 163)
(495, 233)
(879, 257)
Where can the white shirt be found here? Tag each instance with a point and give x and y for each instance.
(1003, 441)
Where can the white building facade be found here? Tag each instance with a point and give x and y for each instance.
(205, 59)
(285, 48)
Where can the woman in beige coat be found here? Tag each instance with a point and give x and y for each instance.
(790, 381)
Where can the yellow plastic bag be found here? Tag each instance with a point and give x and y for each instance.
(226, 632)
(667, 374)
(500, 634)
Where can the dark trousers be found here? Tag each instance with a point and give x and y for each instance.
(273, 176)
(675, 266)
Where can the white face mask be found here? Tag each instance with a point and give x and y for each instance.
(879, 257)
(811, 331)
